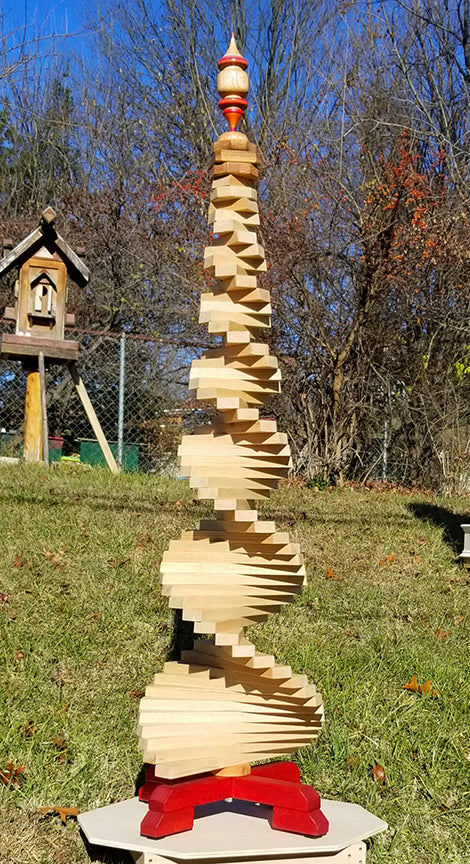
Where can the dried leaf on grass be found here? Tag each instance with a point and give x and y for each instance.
(137, 694)
(61, 744)
(29, 728)
(13, 776)
(63, 812)
(420, 688)
(389, 559)
(441, 634)
(55, 558)
(330, 574)
(143, 539)
(378, 774)
(18, 561)
(61, 677)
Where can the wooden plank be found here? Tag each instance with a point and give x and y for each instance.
(223, 154)
(45, 428)
(16, 346)
(32, 448)
(94, 422)
(78, 270)
(18, 254)
(238, 169)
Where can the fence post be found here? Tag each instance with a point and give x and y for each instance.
(122, 381)
(385, 453)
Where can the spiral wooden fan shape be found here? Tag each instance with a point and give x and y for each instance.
(225, 703)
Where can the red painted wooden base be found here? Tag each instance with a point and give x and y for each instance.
(296, 807)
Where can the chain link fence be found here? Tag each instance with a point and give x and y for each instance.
(138, 389)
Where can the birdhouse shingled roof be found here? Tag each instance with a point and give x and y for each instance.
(46, 235)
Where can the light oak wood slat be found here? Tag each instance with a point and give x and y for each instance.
(247, 746)
(219, 471)
(240, 553)
(159, 708)
(237, 520)
(235, 530)
(228, 461)
(225, 263)
(255, 349)
(247, 172)
(260, 370)
(220, 661)
(161, 701)
(226, 380)
(228, 686)
(240, 526)
(264, 702)
(263, 576)
(236, 338)
(229, 180)
(230, 438)
(223, 154)
(237, 455)
(249, 261)
(242, 563)
(255, 364)
(212, 704)
(253, 389)
(186, 597)
(285, 704)
(239, 283)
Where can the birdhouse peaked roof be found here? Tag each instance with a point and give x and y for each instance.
(46, 235)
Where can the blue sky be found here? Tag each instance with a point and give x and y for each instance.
(61, 25)
(53, 17)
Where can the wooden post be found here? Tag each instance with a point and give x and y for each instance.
(95, 423)
(32, 450)
(45, 427)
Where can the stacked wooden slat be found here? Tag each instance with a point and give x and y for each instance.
(225, 703)
(225, 706)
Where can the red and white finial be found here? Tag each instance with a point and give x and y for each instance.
(232, 84)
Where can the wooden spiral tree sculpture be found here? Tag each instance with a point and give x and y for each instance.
(225, 705)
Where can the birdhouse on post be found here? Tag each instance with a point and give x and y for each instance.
(44, 262)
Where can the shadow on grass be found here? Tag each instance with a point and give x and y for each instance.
(447, 520)
(182, 639)
(192, 509)
(104, 854)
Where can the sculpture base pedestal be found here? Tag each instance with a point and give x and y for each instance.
(234, 831)
(296, 807)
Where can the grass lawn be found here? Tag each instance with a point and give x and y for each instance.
(84, 629)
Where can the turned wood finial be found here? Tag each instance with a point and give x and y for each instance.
(232, 84)
(48, 216)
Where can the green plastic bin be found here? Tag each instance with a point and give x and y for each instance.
(55, 449)
(90, 454)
